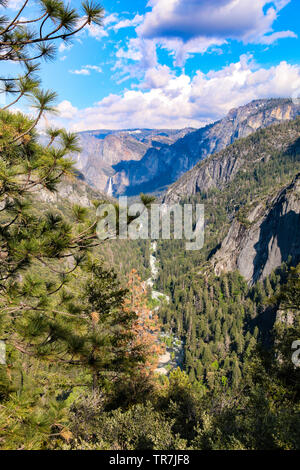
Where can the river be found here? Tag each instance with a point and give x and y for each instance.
(173, 356)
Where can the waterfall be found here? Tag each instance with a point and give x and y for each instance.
(109, 187)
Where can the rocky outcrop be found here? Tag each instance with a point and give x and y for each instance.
(270, 236)
(198, 145)
(72, 191)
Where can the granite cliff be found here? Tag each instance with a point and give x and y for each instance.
(269, 237)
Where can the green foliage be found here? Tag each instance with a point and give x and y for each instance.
(139, 428)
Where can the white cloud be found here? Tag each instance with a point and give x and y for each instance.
(133, 52)
(157, 77)
(271, 38)
(97, 32)
(190, 26)
(96, 68)
(140, 51)
(179, 101)
(85, 70)
(15, 4)
(80, 72)
(66, 110)
(129, 23)
(182, 51)
(64, 47)
(110, 19)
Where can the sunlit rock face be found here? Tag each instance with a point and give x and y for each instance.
(271, 239)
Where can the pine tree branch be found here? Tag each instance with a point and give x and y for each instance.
(14, 20)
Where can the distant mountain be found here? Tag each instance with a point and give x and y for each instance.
(220, 168)
(102, 150)
(132, 161)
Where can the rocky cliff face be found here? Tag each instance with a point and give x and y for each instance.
(199, 145)
(221, 167)
(103, 150)
(72, 191)
(269, 238)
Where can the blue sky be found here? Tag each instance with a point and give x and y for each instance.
(174, 63)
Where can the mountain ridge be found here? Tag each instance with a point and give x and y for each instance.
(208, 173)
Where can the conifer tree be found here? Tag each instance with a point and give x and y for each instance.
(27, 40)
(146, 328)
